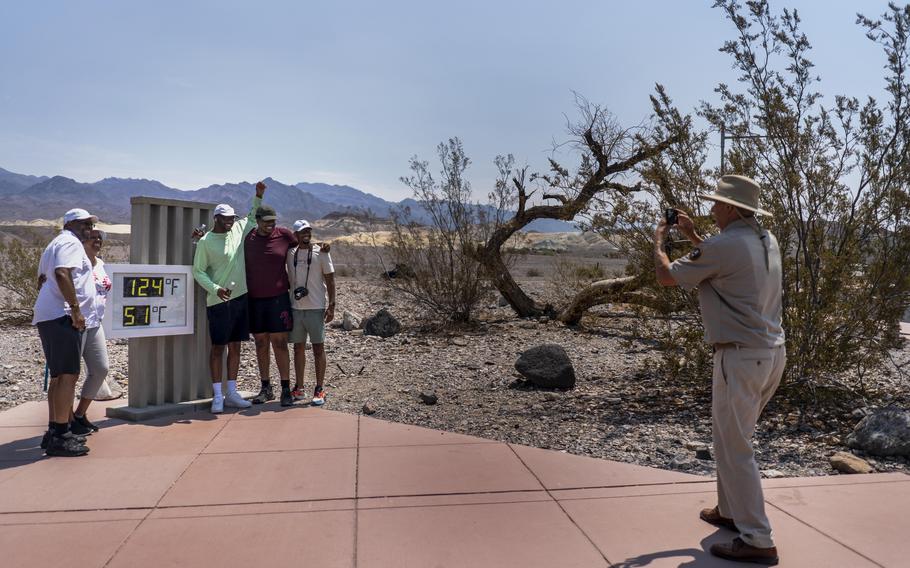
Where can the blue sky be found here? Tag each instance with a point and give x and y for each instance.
(198, 92)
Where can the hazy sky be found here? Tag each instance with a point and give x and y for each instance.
(198, 92)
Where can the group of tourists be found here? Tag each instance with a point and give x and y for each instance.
(278, 285)
(272, 282)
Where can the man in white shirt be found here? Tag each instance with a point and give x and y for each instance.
(312, 278)
(68, 291)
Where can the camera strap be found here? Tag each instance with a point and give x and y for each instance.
(309, 260)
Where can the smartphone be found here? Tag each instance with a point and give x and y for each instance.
(672, 216)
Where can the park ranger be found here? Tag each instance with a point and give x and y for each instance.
(738, 276)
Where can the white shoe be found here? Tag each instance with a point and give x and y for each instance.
(234, 400)
(218, 405)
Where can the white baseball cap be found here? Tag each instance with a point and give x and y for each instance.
(78, 215)
(300, 224)
(224, 209)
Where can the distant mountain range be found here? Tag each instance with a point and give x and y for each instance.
(40, 197)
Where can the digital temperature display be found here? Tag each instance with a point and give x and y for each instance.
(143, 287)
(136, 315)
(149, 300)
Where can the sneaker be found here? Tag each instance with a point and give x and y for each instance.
(319, 396)
(234, 400)
(218, 405)
(265, 394)
(49, 434)
(286, 398)
(80, 429)
(83, 420)
(298, 393)
(64, 446)
(46, 439)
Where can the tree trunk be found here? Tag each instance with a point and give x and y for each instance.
(597, 293)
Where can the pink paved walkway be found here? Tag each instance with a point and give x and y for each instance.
(308, 487)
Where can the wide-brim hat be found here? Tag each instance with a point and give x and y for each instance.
(738, 191)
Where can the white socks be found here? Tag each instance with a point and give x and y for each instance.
(217, 388)
(232, 385)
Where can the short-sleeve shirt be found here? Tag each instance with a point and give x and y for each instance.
(266, 276)
(739, 286)
(320, 264)
(94, 315)
(64, 251)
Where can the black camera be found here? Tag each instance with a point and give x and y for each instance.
(672, 216)
(300, 292)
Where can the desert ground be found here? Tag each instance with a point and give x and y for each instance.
(621, 409)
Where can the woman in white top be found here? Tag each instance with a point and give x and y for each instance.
(94, 351)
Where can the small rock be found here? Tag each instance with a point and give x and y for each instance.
(544, 319)
(682, 461)
(368, 408)
(350, 321)
(772, 473)
(549, 397)
(458, 341)
(848, 463)
(693, 446)
(428, 397)
(861, 412)
(547, 366)
(885, 432)
(703, 454)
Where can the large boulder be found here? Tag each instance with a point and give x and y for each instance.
(382, 324)
(547, 366)
(885, 432)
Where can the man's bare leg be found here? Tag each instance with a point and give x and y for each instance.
(299, 364)
(262, 354)
(279, 343)
(320, 362)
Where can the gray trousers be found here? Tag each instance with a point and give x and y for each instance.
(94, 353)
(744, 381)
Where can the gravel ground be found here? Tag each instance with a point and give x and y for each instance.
(621, 409)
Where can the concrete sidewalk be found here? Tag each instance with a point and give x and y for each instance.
(279, 487)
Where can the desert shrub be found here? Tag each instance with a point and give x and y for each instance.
(18, 278)
(534, 273)
(835, 178)
(446, 279)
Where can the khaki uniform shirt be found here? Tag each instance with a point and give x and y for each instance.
(739, 291)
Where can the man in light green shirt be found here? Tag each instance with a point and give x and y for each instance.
(219, 267)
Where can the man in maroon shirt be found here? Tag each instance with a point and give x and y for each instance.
(265, 251)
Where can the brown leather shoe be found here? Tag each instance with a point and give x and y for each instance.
(739, 551)
(714, 517)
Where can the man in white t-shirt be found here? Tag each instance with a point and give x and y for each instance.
(68, 291)
(312, 279)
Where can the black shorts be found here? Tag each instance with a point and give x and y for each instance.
(62, 345)
(271, 315)
(228, 321)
